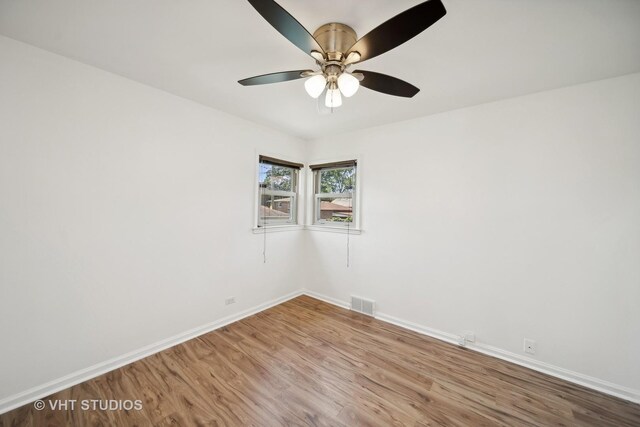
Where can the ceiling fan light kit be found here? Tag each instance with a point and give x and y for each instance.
(335, 39)
(348, 84)
(335, 48)
(315, 85)
(333, 98)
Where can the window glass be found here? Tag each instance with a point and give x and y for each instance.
(275, 207)
(277, 187)
(277, 177)
(340, 180)
(334, 195)
(335, 209)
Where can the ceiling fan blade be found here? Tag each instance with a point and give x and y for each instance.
(287, 25)
(282, 76)
(387, 84)
(399, 29)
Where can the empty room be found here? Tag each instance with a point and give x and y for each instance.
(320, 213)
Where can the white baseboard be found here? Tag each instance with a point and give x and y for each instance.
(326, 299)
(555, 371)
(82, 375)
(597, 384)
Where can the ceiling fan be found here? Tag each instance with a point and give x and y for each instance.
(336, 48)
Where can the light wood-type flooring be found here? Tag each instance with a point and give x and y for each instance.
(305, 362)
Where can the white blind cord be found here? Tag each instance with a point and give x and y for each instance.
(264, 241)
(349, 222)
(348, 238)
(264, 220)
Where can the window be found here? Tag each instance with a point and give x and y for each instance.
(278, 192)
(334, 193)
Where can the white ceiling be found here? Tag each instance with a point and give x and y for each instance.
(479, 52)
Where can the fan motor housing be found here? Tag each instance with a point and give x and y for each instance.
(335, 39)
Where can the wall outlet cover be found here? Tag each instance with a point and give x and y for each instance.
(470, 336)
(529, 346)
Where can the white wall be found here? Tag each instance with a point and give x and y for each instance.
(121, 224)
(125, 216)
(514, 219)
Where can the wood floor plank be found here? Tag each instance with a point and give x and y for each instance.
(308, 363)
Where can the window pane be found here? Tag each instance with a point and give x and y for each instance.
(335, 210)
(275, 208)
(277, 177)
(341, 180)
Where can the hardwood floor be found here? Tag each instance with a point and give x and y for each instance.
(306, 362)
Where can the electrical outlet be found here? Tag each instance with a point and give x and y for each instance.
(469, 336)
(529, 346)
(229, 301)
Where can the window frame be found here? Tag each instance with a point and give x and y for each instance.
(293, 219)
(317, 197)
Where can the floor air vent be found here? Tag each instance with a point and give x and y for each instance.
(361, 305)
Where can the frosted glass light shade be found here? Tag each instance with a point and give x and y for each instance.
(315, 85)
(333, 99)
(348, 84)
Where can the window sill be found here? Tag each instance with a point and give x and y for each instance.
(277, 228)
(330, 229)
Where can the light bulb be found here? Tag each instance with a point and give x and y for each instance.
(333, 99)
(315, 85)
(348, 84)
